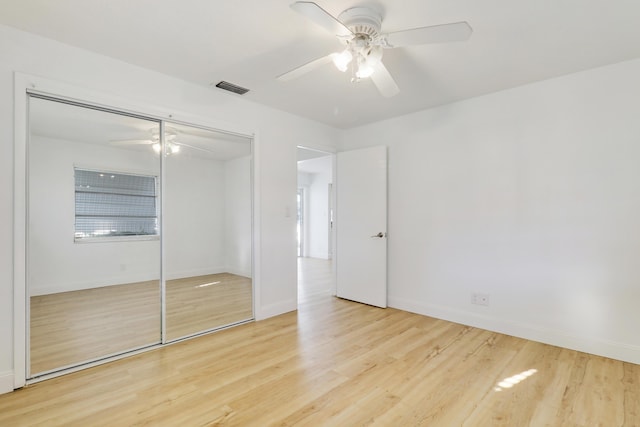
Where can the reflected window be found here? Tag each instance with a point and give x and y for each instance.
(109, 205)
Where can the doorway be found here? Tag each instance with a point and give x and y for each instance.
(315, 212)
(315, 194)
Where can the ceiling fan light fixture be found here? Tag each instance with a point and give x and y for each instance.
(364, 70)
(374, 56)
(172, 148)
(342, 60)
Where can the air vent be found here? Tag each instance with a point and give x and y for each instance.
(232, 88)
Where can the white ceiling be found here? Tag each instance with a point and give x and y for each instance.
(315, 165)
(250, 42)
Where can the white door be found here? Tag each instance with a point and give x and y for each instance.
(361, 224)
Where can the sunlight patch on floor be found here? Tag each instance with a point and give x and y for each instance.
(515, 379)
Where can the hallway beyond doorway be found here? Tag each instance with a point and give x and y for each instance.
(315, 279)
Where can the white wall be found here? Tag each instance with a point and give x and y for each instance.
(194, 216)
(237, 224)
(531, 195)
(304, 182)
(317, 205)
(277, 136)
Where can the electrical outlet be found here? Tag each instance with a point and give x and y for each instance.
(480, 299)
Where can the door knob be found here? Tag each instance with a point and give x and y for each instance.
(379, 235)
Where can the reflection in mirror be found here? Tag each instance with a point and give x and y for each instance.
(207, 230)
(93, 249)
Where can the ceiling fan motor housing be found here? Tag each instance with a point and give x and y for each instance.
(362, 21)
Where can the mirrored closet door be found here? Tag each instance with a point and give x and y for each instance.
(138, 233)
(207, 230)
(93, 248)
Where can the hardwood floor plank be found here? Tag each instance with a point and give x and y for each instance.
(631, 382)
(468, 363)
(523, 383)
(599, 401)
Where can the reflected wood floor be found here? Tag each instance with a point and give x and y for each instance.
(72, 327)
(199, 303)
(339, 363)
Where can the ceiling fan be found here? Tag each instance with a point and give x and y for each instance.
(172, 139)
(170, 134)
(359, 29)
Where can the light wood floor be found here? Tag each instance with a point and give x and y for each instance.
(339, 363)
(73, 327)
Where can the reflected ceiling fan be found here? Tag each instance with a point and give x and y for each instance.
(359, 29)
(170, 137)
(170, 134)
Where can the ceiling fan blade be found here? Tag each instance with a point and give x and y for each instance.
(303, 69)
(132, 142)
(384, 81)
(196, 132)
(456, 31)
(322, 18)
(194, 147)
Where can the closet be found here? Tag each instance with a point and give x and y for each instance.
(139, 232)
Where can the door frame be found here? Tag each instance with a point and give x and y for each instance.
(301, 220)
(25, 84)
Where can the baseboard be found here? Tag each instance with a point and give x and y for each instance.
(196, 272)
(559, 338)
(272, 310)
(239, 272)
(319, 255)
(68, 287)
(6, 382)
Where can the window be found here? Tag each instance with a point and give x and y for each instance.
(114, 205)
